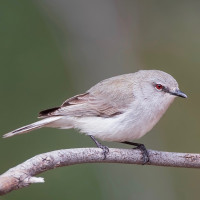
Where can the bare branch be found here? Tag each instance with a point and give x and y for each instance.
(23, 174)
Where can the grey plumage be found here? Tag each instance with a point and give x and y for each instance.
(115, 108)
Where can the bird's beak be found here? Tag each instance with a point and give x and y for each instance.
(179, 93)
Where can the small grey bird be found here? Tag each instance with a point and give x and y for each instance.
(119, 109)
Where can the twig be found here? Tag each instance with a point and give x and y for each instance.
(23, 174)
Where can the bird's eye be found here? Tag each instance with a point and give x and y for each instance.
(159, 87)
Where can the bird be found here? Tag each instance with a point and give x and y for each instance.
(121, 109)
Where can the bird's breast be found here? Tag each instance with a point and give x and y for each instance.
(132, 124)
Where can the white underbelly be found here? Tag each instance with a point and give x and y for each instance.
(114, 129)
(128, 126)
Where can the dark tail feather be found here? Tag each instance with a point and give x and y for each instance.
(32, 126)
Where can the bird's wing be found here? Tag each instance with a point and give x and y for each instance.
(107, 98)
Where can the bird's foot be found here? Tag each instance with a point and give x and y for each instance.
(105, 150)
(143, 150)
(99, 145)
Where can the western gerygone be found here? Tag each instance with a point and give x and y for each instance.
(121, 109)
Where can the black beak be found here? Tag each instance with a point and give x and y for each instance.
(179, 93)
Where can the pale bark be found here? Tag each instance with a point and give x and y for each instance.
(23, 174)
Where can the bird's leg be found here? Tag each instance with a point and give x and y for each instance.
(104, 148)
(142, 148)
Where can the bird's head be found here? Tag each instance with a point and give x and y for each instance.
(157, 87)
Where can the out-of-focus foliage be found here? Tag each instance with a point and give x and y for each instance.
(51, 50)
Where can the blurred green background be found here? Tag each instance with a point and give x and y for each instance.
(51, 50)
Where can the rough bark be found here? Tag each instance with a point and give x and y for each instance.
(24, 174)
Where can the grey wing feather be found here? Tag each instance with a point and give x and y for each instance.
(105, 99)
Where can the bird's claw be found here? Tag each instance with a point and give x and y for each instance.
(144, 152)
(105, 150)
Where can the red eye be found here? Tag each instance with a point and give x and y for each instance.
(159, 87)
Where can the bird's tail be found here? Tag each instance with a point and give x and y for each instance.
(32, 126)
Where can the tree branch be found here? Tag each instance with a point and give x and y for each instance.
(23, 174)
